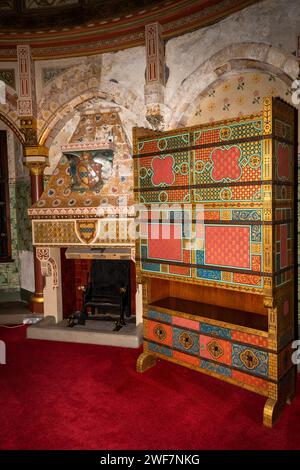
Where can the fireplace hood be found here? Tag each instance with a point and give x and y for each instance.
(89, 197)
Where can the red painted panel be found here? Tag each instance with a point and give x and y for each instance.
(182, 270)
(247, 279)
(250, 380)
(159, 333)
(163, 170)
(227, 246)
(226, 164)
(222, 354)
(186, 323)
(250, 339)
(165, 242)
(186, 358)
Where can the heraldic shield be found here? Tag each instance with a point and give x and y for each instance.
(89, 169)
(87, 230)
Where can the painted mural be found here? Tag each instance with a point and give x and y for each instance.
(240, 95)
(95, 167)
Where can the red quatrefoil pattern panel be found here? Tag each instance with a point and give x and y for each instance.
(163, 173)
(226, 164)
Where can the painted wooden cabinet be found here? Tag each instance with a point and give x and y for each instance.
(216, 249)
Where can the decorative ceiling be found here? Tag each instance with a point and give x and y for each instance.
(66, 28)
(38, 14)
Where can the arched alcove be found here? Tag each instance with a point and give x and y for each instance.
(232, 60)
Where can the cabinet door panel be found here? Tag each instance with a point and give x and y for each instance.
(229, 247)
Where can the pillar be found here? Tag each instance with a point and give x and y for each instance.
(156, 111)
(36, 158)
(50, 262)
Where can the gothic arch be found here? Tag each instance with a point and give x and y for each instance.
(125, 98)
(9, 114)
(12, 126)
(227, 62)
(58, 102)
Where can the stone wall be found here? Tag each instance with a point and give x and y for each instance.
(17, 275)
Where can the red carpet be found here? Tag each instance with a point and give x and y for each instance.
(74, 396)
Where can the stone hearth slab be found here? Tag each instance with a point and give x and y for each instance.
(93, 332)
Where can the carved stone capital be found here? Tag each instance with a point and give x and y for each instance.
(157, 115)
(154, 93)
(36, 168)
(36, 159)
(28, 127)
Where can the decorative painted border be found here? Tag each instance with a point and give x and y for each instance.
(176, 17)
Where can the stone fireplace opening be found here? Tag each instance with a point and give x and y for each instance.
(66, 271)
(77, 274)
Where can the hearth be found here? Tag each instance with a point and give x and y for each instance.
(108, 291)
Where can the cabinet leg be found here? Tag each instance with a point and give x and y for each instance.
(272, 410)
(145, 361)
(283, 393)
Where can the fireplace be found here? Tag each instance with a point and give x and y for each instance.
(79, 272)
(86, 213)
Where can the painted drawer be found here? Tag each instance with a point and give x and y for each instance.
(191, 340)
(250, 360)
(242, 379)
(186, 341)
(158, 332)
(215, 349)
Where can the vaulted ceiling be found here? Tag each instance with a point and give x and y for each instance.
(65, 28)
(32, 14)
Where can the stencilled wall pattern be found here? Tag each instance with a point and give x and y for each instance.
(240, 95)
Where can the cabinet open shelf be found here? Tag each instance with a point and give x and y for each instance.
(222, 314)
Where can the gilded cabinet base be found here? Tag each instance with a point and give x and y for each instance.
(274, 408)
(145, 361)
